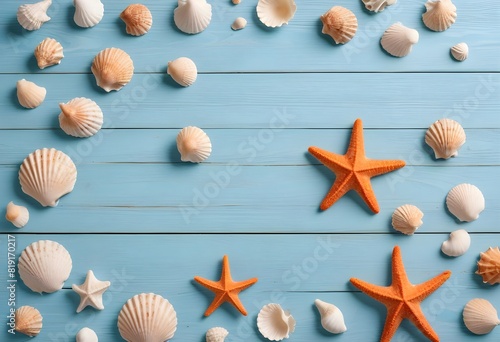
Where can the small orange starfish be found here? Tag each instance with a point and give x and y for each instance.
(353, 170)
(226, 289)
(402, 298)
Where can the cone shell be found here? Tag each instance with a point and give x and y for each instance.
(88, 13)
(465, 201)
(80, 117)
(239, 24)
(183, 71)
(439, 15)
(49, 52)
(86, 335)
(407, 218)
(378, 5)
(33, 16)
(274, 323)
(28, 321)
(332, 319)
(457, 244)
(113, 69)
(138, 19)
(339, 23)
(480, 317)
(488, 266)
(275, 13)
(29, 94)
(460, 51)
(445, 137)
(193, 144)
(216, 334)
(399, 39)
(192, 16)
(17, 215)
(146, 318)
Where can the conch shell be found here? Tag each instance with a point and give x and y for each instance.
(332, 318)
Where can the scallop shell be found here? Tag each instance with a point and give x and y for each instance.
(193, 144)
(339, 23)
(236, 2)
(138, 19)
(44, 266)
(147, 317)
(113, 69)
(480, 317)
(399, 39)
(80, 117)
(17, 215)
(460, 51)
(86, 335)
(29, 94)
(457, 244)
(33, 16)
(183, 71)
(445, 137)
(332, 318)
(407, 218)
(88, 13)
(439, 14)
(488, 266)
(49, 52)
(239, 24)
(216, 334)
(274, 323)
(28, 321)
(192, 16)
(275, 13)
(465, 201)
(47, 175)
(378, 5)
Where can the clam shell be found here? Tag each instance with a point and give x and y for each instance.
(445, 137)
(192, 16)
(236, 2)
(47, 175)
(193, 144)
(398, 40)
(183, 71)
(480, 317)
(49, 52)
(33, 16)
(439, 14)
(275, 13)
(80, 117)
(88, 13)
(465, 201)
(44, 266)
(17, 215)
(457, 244)
(137, 18)
(488, 266)
(274, 323)
(86, 335)
(460, 51)
(332, 319)
(29, 94)
(339, 23)
(28, 321)
(147, 317)
(407, 218)
(378, 5)
(239, 24)
(216, 334)
(113, 69)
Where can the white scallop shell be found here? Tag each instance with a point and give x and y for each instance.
(183, 71)
(29, 94)
(480, 317)
(457, 244)
(88, 13)
(33, 16)
(28, 321)
(445, 137)
(439, 14)
(216, 334)
(399, 39)
(465, 201)
(49, 52)
(44, 266)
(17, 215)
(80, 117)
(340, 23)
(193, 144)
(47, 175)
(378, 5)
(239, 23)
(460, 51)
(332, 318)
(488, 266)
(275, 13)
(274, 323)
(407, 218)
(86, 335)
(138, 19)
(147, 317)
(192, 16)
(113, 69)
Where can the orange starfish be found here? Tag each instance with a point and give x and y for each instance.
(226, 289)
(353, 170)
(402, 298)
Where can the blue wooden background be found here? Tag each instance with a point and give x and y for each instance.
(149, 223)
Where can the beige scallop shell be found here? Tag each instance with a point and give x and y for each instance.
(28, 321)
(457, 244)
(192, 16)
(480, 317)
(332, 319)
(33, 16)
(275, 13)
(460, 51)
(465, 202)
(439, 14)
(274, 323)
(339, 23)
(398, 40)
(488, 266)
(216, 334)
(88, 13)
(44, 266)
(147, 317)
(47, 175)
(378, 5)
(80, 117)
(239, 24)
(113, 69)
(193, 144)
(445, 137)
(407, 218)
(86, 335)
(137, 18)
(17, 215)
(183, 71)
(49, 52)
(29, 94)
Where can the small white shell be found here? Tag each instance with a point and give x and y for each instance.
(378, 5)
(216, 334)
(340, 23)
(138, 19)
(465, 201)
(193, 144)
(275, 13)
(332, 318)
(439, 14)
(407, 218)
(17, 215)
(86, 335)
(113, 69)
(88, 13)
(399, 39)
(33, 16)
(183, 71)
(29, 94)
(28, 321)
(49, 52)
(445, 137)
(460, 51)
(192, 16)
(274, 323)
(239, 23)
(80, 117)
(480, 317)
(457, 244)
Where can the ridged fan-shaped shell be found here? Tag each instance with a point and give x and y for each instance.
(488, 266)
(457, 244)
(239, 24)
(88, 13)
(274, 323)
(183, 71)
(28, 321)
(332, 319)
(339, 23)
(465, 201)
(33, 16)
(445, 137)
(216, 334)
(192, 16)
(275, 13)
(407, 218)
(113, 69)
(80, 117)
(137, 18)
(17, 215)
(193, 144)
(29, 94)
(480, 317)
(378, 5)
(49, 52)
(398, 40)
(439, 14)
(86, 335)
(460, 51)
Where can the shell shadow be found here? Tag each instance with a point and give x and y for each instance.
(93, 84)
(14, 30)
(120, 24)
(70, 13)
(319, 328)
(260, 25)
(32, 64)
(327, 38)
(174, 156)
(169, 81)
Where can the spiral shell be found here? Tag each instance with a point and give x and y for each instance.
(113, 69)
(33, 16)
(138, 19)
(398, 40)
(80, 117)
(29, 94)
(457, 244)
(439, 15)
(28, 321)
(480, 317)
(274, 323)
(407, 219)
(49, 52)
(183, 71)
(332, 319)
(465, 201)
(445, 137)
(488, 266)
(275, 13)
(339, 23)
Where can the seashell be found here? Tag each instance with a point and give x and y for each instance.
(192, 16)
(236, 2)
(33, 16)
(488, 266)
(147, 317)
(378, 5)
(138, 19)
(29, 94)
(44, 266)
(28, 321)
(339, 23)
(407, 218)
(193, 144)
(457, 244)
(17, 215)
(80, 117)
(398, 40)
(439, 14)
(216, 334)
(86, 335)
(239, 23)
(480, 317)
(88, 13)
(183, 71)
(47, 175)
(275, 13)
(274, 323)
(445, 137)
(113, 69)
(465, 201)
(332, 318)
(460, 51)
(49, 52)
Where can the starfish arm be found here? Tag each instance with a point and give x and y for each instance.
(209, 284)
(241, 285)
(417, 317)
(399, 276)
(382, 294)
(392, 322)
(339, 188)
(226, 271)
(364, 189)
(422, 291)
(218, 300)
(373, 167)
(235, 300)
(356, 147)
(333, 161)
